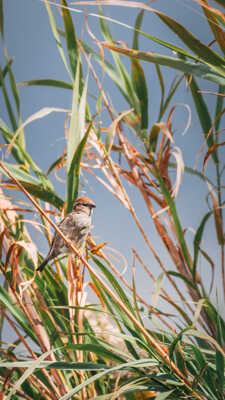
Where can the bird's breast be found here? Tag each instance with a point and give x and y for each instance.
(80, 228)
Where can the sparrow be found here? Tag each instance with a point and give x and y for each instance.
(75, 226)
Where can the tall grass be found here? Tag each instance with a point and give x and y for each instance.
(124, 347)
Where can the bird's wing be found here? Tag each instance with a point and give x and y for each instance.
(58, 241)
(69, 229)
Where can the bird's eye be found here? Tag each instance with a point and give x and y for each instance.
(88, 205)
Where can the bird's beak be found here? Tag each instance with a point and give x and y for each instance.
(91, 208)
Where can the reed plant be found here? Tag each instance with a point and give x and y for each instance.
(124, 347)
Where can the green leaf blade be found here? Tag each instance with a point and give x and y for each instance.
(71, 40)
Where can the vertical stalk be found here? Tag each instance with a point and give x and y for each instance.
(221, 216)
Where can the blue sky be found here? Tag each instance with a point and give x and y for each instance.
(30, 41)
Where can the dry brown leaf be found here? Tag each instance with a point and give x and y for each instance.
(95, 250)
(98, 294)
(211, 9)
(209, 152)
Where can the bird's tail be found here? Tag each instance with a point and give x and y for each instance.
(43, 264)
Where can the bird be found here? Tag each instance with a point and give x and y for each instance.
(75, 226)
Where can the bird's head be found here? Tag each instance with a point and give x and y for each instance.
(83, 204)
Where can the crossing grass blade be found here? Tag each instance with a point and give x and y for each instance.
(220, 360)
(26, 374)
(204, 116)
(47, 82)
(34, 186)
(216, 29)
(109, 69)
(5, 70)
(7, 302)
(180, 276)
(71, 41)
(73, 175)
(9, 107)
(23, 158)
(138, 76)
(198, 70)
(57, 37)
(121, 319)
(121, 70)
(74, 132)
(122, 367)
(172, 90)
(114, 283)
(1, 19)
(219, 109)
(178, 227)
(204, 52)
(77, 139)
(17, 151)
(54, 365)
(164, 395)
(16, 97)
